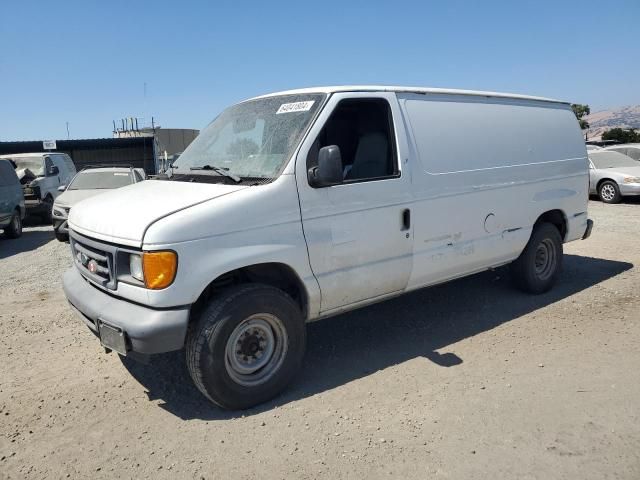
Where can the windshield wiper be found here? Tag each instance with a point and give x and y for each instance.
(219, 171)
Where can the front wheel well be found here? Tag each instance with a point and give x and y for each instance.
(600, 182)
(556, 218)
(277, 275)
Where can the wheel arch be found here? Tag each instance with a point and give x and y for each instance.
(601, 181)
(275, 274)
(555, 217)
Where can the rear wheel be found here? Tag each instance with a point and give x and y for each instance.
(14, 229)
(536, 269)
(609, 192)
(247, 346)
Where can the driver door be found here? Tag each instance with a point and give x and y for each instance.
(358, 233)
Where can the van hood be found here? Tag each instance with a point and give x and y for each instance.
(123, 215)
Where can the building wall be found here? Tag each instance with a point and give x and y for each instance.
(173, 140)
(137, 152)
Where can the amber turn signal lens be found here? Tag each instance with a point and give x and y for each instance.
(159, 269)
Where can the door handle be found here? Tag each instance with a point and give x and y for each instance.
(406, 219)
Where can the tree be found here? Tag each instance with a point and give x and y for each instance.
(581, 111)
(621, 135)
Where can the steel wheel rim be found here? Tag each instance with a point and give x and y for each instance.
(545, 259)
(608, 192)
(17, 226)
(256, 349)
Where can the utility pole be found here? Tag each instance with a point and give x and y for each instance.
(67, 130)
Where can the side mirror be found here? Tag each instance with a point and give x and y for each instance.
(329, 169)
(53, 170)
(62, 188)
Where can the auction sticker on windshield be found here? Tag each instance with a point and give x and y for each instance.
(295, 107)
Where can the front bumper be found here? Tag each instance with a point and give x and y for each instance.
(61, 226)
(627, 189)
(60, 217)
(147, 330)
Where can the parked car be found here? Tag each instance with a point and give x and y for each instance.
(613, 175)
(12, 209)
(301, 205)
(89, 183)
(629, 149)
(41, 174)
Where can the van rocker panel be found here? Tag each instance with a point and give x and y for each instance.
(148, 330)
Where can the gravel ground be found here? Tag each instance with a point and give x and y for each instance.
(471, 379)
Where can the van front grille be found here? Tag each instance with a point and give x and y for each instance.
(95, 260)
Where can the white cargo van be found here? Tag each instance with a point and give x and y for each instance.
(300, 205)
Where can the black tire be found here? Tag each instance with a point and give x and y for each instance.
(229, 317)
(47, 214)
(537, 268)
(62, 237)
(609, 192)
(14, 229)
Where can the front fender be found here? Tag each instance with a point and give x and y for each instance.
(202, 261)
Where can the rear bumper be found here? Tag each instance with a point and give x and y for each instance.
(147, 330)
(587, 232)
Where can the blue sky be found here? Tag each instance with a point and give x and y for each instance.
(87, 62)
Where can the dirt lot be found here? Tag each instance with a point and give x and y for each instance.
(471, 379)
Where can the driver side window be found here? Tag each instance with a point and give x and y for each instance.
(48, 164)
(363, 130)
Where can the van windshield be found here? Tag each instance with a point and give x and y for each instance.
(252, 139)
(35, 164)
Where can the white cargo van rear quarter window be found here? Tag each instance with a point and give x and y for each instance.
(304, 204)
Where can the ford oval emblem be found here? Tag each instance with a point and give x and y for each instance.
(92, 266)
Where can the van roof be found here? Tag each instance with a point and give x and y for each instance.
(420, 90)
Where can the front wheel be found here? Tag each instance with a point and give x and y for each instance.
(14, 229)
(47, 206)
(246, 346)
(609, 192)
(536, 269)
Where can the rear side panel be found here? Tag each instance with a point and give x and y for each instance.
(483, 170)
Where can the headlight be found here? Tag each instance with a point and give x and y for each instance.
(631, 180)
(159, 269)
(59, 211)
(135, 267)
(156, 269)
